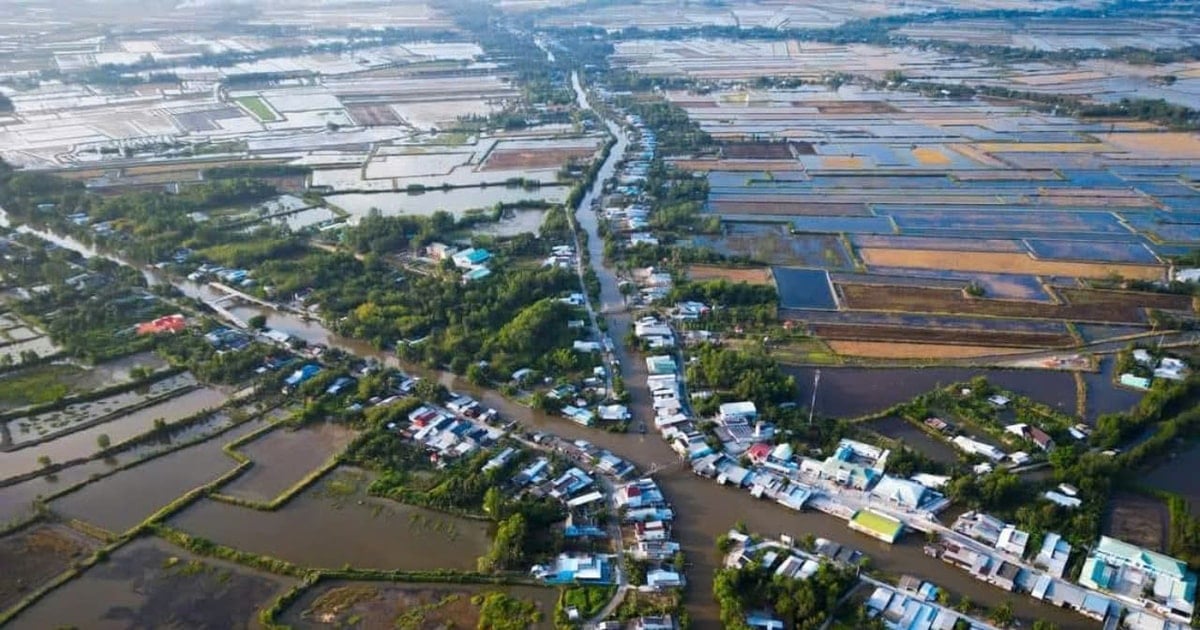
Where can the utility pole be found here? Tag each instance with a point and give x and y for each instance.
(812, 406)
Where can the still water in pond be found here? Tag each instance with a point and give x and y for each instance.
(83, 443)
(334, 523)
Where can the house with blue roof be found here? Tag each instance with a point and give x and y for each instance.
(1120, 567)
(576, 569)
(471, 258)
(301, 375)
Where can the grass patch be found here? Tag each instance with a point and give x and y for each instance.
(37, 385)
(255, 105)
(588, 600)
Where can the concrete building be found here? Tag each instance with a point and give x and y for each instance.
(1117, 566)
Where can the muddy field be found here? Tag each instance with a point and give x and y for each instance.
(1082, 305)
(518, 159)
(1137, 519)
(752, 166)
(34, 555)
(996, 338)
(758, 275)
(788, 208)
(764, 150)
(1002, 262)
(150, 584)
(373, 114)
(915, 351)
(380, 605)
(850, 107)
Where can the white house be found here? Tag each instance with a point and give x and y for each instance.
(735, 411)
(975, 447)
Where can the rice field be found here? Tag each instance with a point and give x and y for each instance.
(915, 351)
(753, 275)
(257, 106)
(1002, 262)
(930, 156)
(1079, 305)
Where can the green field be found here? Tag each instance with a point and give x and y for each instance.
(255, 105)
(37, 385)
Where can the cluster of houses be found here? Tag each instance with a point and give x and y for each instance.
(1148, 368)
(240, 277)
(1162, 585)
(562, 257)
(744, 455)
(584, 498)
(1035, 436)
(653, 285)
(626, 211)
(451, 432)
(912, 605)
(473, 262)
(646, 523)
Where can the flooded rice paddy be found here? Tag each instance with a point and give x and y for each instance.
(82, 443)
(151, 584)
(283, 457)
(16, 499)
(41, 426)
(370, 532)
(382, 605)
(35, 555)
(124, 499)
(852, 392)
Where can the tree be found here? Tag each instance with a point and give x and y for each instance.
(103, 441)
(43, 461)
(1042, 624)
(493, 503)
(1002, 614)
(477, 374)
(508, 546)
(430, 391)
(258, 322)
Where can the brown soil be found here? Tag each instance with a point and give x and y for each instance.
(764, 150)
(908, 334)
(759, 275)
(515, 159)
(1002, 262)
(1082, 305)
(893, 350)
(1138, 519)
(373, 114)
(32, 556)
(851, 107)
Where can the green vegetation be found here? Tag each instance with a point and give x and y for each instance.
(205, 547)
(500, 611)
(253, 171)
(735, 303)
(802, 604)
(588, 600)
(144, 227)
(738, 375)
(37, 385)
(257, 106)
